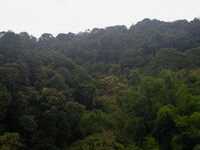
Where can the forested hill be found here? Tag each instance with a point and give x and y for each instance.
(102, 89)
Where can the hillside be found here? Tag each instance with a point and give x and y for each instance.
(116, 88)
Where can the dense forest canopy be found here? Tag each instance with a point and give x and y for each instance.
(116, 88)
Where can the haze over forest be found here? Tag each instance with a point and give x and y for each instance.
(62, 16)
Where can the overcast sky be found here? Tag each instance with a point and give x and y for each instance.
(56, 16)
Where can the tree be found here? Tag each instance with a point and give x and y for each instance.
(5, 102)
(95, 122)
(165, 125)
(11, 141)
(9, 75)
(150, 143)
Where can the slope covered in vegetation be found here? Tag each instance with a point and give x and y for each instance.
(104, 89)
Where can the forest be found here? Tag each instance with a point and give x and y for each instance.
(113, 88)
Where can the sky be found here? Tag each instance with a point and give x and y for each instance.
(63, 16)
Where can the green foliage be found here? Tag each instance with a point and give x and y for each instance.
(133, 147)
(28, 124)
(189, 131)
(85, 143)
(108, 142)
(5, 101)
(105, 89)
(193, 57)
(46, 144)
(84, 87)
(150, 143)
(165, 126)
(104, 141)
(108, 84)
(165, 119)
(169, 59)
(11, 141)
(94, 122)
(197, 147)
(135, 129)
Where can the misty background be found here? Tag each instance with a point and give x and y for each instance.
(62, 16)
